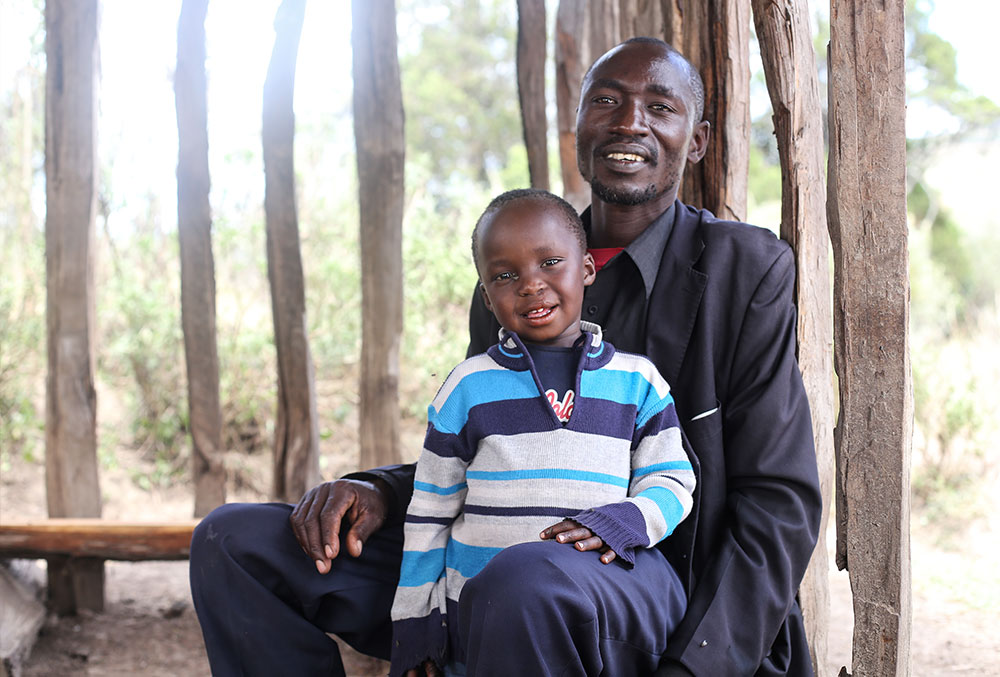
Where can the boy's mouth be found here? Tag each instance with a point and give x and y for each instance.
(537, 314)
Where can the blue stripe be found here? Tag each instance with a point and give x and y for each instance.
(624, 387)
(435, 489)
(657, 467)
(548, 474)
(481, 387)
(468, 560)
(420, 567)
(668, 503)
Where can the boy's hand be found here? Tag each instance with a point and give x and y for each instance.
(427, 669)
(581, 537)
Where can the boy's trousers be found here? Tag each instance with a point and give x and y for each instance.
(539, 608)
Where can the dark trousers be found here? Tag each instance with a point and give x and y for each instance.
(539, 608)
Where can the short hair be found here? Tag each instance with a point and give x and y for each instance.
(572, 220)
(693, 76)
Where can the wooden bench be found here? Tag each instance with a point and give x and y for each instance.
(96, 538)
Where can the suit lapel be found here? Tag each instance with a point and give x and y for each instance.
(676, 296)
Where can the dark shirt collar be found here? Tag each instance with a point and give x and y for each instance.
(646, 251)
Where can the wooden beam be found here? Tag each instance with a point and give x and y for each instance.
(96, 539)
(793, 84)
(868, 228)
(571, 52)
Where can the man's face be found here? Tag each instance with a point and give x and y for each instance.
(533, 272)
(634, 130)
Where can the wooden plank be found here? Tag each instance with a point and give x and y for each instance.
(379, 137)
(71, 478)
(531, 88)
(868, 229)
(96, 539)
(785, 36)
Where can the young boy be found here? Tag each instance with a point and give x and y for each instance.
(551, 423)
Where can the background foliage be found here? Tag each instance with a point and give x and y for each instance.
(463, 146)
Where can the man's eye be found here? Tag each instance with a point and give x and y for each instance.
(661, 108)
(603, 99)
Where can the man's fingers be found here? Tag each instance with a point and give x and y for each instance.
(305, 526)
(340, 500)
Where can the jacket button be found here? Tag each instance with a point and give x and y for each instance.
(592, 310)
(704, 642)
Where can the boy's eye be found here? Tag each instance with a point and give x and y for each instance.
(506, 275)
(550, 262)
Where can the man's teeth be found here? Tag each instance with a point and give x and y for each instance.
(625, 157)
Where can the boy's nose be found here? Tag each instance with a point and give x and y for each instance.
(530, 286)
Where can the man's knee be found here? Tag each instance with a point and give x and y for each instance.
(234, 530)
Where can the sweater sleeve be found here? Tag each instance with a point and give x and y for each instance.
(661, 485)
(419, 610)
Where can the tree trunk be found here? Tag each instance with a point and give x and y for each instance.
(603, 27)
(378, 133)
(296, 435)
(194, 231)
(790, 70)
(531, 88)
(868, 228)
(71, 481)
(571, 51)
(716, 39)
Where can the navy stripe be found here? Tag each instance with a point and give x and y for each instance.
(604, 418)
(519, 511)
(512, 417)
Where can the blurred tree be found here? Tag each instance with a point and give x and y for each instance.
(296, 434)
(194, 229)
(71, 481)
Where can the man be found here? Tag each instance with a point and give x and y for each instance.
(710, 302)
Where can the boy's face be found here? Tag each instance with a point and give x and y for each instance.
(533, 272)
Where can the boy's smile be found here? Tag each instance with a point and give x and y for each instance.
(533, 272)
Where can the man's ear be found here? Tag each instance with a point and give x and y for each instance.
(486, 297)
(699, 141)
(589, 270)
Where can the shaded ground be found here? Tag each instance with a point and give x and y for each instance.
(149, 627)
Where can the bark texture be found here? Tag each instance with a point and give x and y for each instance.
(296, 434)
(531, 88)
(785, 39)
(715, 37)
(868, 228)
(571, 62)
(378, 133)
(71, 481)
(194, 231)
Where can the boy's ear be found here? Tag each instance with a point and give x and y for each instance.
(589, 270)
(486, 297)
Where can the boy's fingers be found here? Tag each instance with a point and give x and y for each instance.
(592, 543)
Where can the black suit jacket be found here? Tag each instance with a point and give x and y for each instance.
(721, 329)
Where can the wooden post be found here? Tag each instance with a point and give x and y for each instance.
(790, 70)
(868, 228)
(716, 39)
(531, 88)
(194, 232)
(571, 50)
(603, 27)
(296, 434)
(71, 481)
(378, 133)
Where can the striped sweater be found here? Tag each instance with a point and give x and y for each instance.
(498, 467)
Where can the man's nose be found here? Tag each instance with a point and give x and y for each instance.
(629, 118)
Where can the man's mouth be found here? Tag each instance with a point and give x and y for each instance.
(625, 157)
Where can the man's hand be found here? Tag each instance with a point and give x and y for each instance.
(427, 669)
(582, 538)
(317, 518)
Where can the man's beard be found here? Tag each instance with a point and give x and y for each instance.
(626, 197)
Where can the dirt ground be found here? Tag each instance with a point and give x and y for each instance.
(149, 627)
